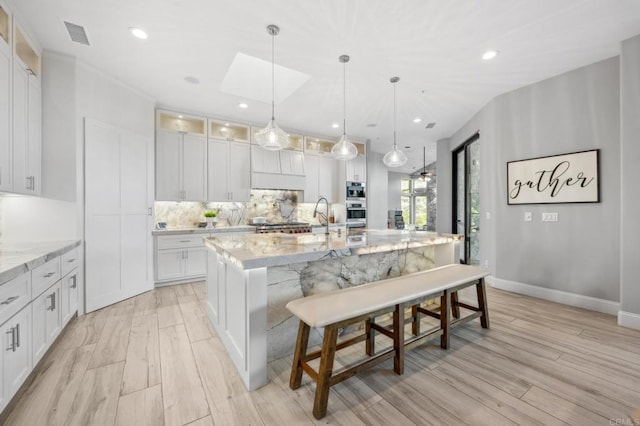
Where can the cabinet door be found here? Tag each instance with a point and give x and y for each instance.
(21, 183)
(53, 320)
(328, 178)
(357, 169)
(39, 308)
(196, 262)
(5, 135)
(16, 348)
(170, 264)
(194, 168)
(68, 296)
(217, 170)
(34, 135)
(168, 166)
(311, 179)
(239, 171)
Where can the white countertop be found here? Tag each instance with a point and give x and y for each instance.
(17, 259)
(220, 230)
(259, 250)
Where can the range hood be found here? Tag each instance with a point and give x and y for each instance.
(277, 169)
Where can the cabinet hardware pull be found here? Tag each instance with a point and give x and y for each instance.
(9, 300)
(50, 274)
(75, 284)
(71, 260)
(13, 339)
(149, 211)
(30, 71)
(185, 241)
(18, 334)
(52, 306)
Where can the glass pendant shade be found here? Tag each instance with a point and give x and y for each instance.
(394, 158)
(344, 149)
(272, 137)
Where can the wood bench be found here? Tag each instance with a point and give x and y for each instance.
(337, 309)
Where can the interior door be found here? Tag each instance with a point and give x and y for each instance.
(466, 198)
(118, 188)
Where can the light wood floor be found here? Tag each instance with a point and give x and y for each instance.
(154, 359)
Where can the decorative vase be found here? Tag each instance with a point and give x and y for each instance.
(211, 222)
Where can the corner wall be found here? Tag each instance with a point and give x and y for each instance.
(630, 176)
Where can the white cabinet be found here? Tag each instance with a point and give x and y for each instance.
(47, 320)
(181, 163)
(5, 102)
(68, 296)
(180, 257)
(15, 355)
(356, 169)
(277, 169)
(265, 161)
(229, 170)
(321, 178)
(27, 117)
(292, 162)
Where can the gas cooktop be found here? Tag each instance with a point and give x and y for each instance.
(284, 227)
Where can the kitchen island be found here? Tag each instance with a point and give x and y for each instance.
(251, 278)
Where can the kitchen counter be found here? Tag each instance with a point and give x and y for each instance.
(17, 259)
(221, 230)
(259, 250)
(251, 278)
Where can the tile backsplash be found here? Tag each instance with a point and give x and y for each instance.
(274, 205)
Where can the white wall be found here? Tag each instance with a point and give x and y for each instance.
(444, 182)
(33, 219)
(575, 111)
(394, 192)
(630, 176)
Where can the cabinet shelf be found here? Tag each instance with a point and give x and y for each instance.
(182, 123)
(228, 131)
(27, 54)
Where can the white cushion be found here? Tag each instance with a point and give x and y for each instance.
(327, 308)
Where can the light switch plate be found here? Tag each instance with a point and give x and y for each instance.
(528, 217)
(550, 216)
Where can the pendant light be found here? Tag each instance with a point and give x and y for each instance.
(424, 174)
(344, 149)
(395, 157)
(272, 137)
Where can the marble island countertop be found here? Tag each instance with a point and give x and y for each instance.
(260, 250)
(19, 258)
(216, 230)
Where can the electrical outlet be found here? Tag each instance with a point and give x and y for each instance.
(528, 217)
(550, 216)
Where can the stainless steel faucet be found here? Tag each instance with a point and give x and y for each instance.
(326, 216)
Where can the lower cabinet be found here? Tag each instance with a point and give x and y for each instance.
(46, 320)
(68, 296)
(15, 356)
(180, 257)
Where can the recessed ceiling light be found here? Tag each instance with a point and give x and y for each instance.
(243, 105)
(417, 120)
(138, 33)
(489, 54)
(191, 80)
(335, 125)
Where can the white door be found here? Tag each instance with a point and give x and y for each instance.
(194, 167)
(217, 170)
(5, 135)
(118, 188)
(239, 171)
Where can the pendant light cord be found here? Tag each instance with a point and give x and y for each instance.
(344, 98)
(394, 117)
(273, 77)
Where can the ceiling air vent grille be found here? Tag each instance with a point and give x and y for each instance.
(430, 126)
(77, 33)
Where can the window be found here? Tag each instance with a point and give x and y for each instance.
(414, 194)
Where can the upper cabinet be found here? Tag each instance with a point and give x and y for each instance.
(229, 164)
(356, 169)
(27, 115)
(181, 157)
(5, 101)
(228, 131)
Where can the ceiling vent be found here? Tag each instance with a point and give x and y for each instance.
(77, 33)
(430, 126)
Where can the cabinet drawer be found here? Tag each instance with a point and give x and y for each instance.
(69, 261)
(43, 276)
(180, 241)
(14, 295)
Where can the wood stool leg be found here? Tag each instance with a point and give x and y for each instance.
(415, 320)
(299, 355)
(455, 309)
(370, 343)
(445, 319)
(482, 303)
(324, 372)
(398, 339)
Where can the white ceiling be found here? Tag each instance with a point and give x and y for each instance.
(434, 46)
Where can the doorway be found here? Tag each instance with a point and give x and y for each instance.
(466, 198)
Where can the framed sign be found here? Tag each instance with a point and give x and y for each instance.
(566, 178)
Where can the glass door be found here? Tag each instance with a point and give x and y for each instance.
(466, 199)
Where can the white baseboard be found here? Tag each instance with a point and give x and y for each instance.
(629, 320)
(572, 299)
